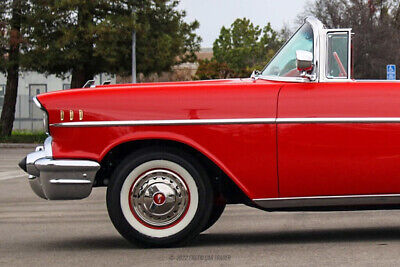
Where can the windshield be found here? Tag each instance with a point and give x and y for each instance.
(284, 63)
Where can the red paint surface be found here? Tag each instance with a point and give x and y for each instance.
(159, 198)
(313, 159)
(246, 153)
(339, 159)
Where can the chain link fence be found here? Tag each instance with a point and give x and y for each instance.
(28, 116)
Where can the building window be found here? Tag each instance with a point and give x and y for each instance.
(66, 86)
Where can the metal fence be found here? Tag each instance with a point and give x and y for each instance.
(27, 115)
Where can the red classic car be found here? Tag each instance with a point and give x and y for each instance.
(300, 135)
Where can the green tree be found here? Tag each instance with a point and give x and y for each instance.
(376, 24)
(88, 37)
(164, 39)
(212, 69)
(245, 46)
(83, 38)
(12, 31)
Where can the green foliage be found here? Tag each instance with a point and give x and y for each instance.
(3, 37)
(212, 69)
(244, 46)
(24, 137)
(13, 19)
(87, 37)
(376, 24)
(164, 39)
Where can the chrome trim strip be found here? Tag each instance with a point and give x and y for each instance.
(283, 79)
(37, 103)
(321, 201)
(376, 81)
(48, 146)
(166, 122)
(229, 121)
(317, 27)
(69, 181)
(41, 152)
(66, 164)
(340, 120)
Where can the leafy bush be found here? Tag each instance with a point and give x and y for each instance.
(24, 137)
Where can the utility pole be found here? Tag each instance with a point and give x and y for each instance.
(133, 56)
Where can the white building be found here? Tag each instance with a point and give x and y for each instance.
(27, 116)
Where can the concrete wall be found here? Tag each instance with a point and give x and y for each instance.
(27, 115)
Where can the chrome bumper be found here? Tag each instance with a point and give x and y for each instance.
(57, 179)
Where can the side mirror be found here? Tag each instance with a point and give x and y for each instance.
(304, 61)
(255, 74)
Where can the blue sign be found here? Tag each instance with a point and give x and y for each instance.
(391, 72)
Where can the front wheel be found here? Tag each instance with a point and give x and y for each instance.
(216, 212)
(159, 198)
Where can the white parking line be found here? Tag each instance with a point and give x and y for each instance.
(14, 177)
(11, 175)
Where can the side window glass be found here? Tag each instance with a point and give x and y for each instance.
(338, 53)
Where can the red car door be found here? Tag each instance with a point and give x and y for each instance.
(339, 139)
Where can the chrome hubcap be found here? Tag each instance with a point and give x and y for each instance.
(159, 197)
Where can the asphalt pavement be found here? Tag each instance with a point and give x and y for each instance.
(36, 232)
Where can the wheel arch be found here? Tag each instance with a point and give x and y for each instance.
(225, 182)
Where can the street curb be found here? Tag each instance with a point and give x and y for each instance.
(17, 145)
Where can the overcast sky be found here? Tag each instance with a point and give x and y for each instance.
(213, 14)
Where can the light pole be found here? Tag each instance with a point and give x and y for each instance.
(133, 56)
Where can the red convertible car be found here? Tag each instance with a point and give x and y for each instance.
(299, 135)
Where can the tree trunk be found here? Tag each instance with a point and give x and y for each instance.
(81, 74)
(10, 98)
(79, 78)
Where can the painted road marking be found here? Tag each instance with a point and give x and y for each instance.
(11, 175)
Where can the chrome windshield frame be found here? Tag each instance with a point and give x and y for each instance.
(317, 28)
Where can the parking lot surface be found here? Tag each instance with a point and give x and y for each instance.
(36, 232)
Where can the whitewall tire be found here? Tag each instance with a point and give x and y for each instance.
(159, 197)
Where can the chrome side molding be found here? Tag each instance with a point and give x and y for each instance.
(229, 121)
(339, 120)
(328, 201)
(69, 181)
(166, 122)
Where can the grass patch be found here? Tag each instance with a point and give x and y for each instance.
(24, 137)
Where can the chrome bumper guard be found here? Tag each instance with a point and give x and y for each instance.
(59, 179)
